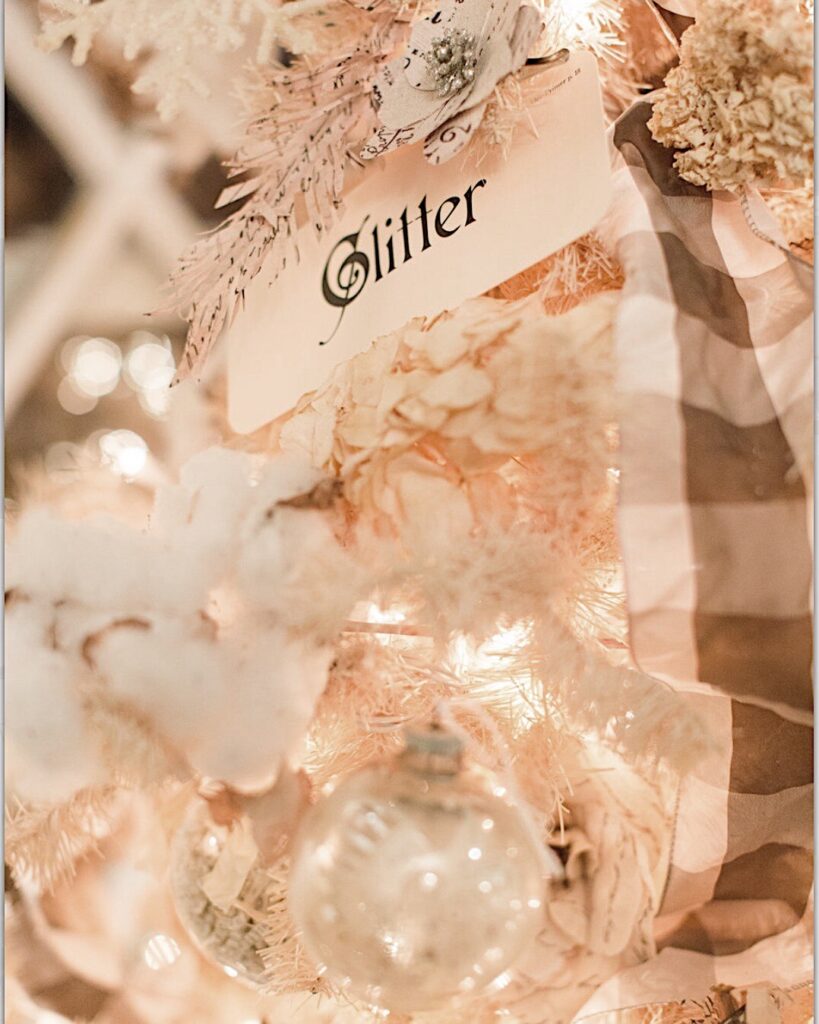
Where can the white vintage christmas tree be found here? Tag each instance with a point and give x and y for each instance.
(472, 682)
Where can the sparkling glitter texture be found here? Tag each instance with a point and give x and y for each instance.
(415, 884)
(452, 59)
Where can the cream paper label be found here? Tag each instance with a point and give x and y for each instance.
(415, 239)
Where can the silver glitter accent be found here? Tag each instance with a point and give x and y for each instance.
(452, 59)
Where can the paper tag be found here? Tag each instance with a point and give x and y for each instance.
(415, 239)
(225, 880)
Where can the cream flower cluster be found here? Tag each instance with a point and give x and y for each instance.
(793, 209)
(739, 106)
(460, 417)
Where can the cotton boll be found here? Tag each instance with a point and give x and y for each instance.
(170, 672)
(272, 548)
(199, 518)
(203, 510)
(50, 753)
(292, 564)
(268, 701)
(76, 627)
(202, 517)
(213, 469)
(101, 564)
(235, 706)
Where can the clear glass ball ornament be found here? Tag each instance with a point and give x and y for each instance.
(416, 883)
(234, 937)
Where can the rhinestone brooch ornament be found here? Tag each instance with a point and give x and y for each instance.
(452, 59)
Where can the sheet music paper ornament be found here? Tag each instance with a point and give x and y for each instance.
(417, 882)
(438, 90)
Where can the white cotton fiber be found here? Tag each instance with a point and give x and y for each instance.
(50, 753)
(205, 506)
(125, 607)
(284, 477)
(173, 672)
(274, 550)
(199, 518)
(266, 709)
(100, 564)
(292, 565)
(276, 539)
(234, 706)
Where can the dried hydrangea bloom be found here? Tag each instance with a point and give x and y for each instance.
(739, 106)
(433, 419)
(793, 209)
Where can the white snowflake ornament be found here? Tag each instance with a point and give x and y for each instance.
(438, 90)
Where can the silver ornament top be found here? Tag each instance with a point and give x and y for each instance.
(452, 59)
(432, 749)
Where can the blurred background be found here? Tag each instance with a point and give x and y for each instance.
(100, 200)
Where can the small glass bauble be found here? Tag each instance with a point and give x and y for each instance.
(416, 883)
(235, 937)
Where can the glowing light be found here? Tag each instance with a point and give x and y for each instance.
(231, 972)
(49, 1017)
(500, 982)
(499, 665)
(211, 844)
(94, 366)
(329, 914)
(325, 855)
(533, 904)
(72, 399)
(125, 452)
(574, 9)
(391, 944)
(487, 824)
(148, 370)
(485, 887)
(391, 616)
(496, 651)
(155, 403)
(161, 951)
(68, 351)
(429, 880)
(375, 616)
(150, 365)
(475, 853)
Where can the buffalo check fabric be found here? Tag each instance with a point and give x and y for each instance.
(715, 369)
